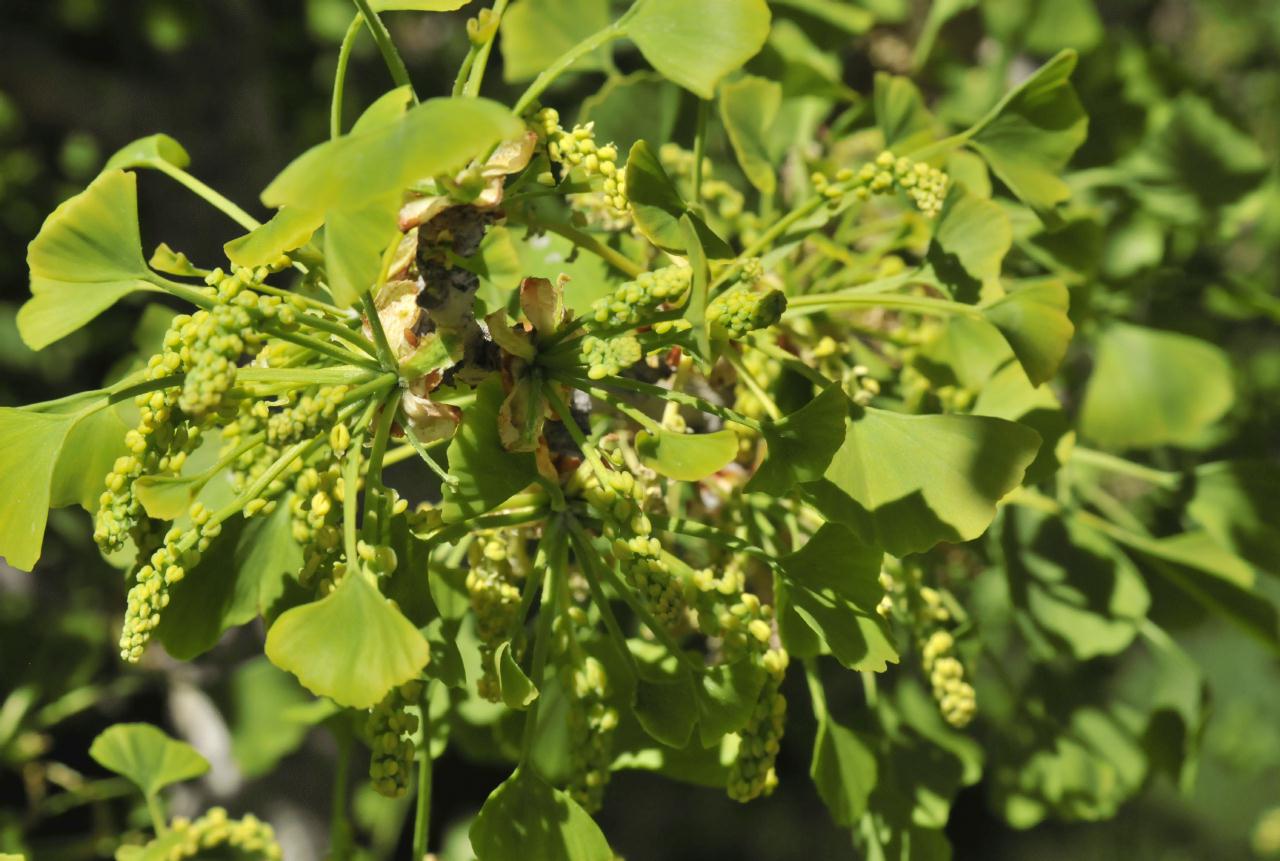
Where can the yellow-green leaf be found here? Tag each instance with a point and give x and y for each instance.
(749, 108)
(697, 42)
(146, 756)
(87, 256)
(687, 457)
(352, 646)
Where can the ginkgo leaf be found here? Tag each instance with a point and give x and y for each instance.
(518, 691)
(148, 757)
(1179, 385)
(908, 482)
(353, 645)
(748, 109)
(970, 241)
(288, 229)
(536, 32)
(833, 586)
(1029, 137)
(236, 581)
(354, 242)
(803, 443)
(87, 256)
(697, 42)
(686, 457)
(38, 470)
(526, 818)
(149, 152)
(435, 137)
(487, 473)
(657, 207)
(1033, 319)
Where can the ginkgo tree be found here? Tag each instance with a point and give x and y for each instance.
(694, 414)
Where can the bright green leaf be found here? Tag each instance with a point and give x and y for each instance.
(1033, 319)
(518, 692)
(657, 207)
(146, 756)
(31, 443)
(86, 457)
(1029, 137)
(435, 137)
(802, 444)
(748, 109)
(697, 42)
(833, 585)
(1151, 388)
(352, 646)
(87, 256)
(536, 32)
(148, 152)
(526, 818)
(970, 240)
(908, 482)
(288, 229)
(354, 242)
(687, 457)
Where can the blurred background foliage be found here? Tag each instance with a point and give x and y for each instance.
(1175, 223)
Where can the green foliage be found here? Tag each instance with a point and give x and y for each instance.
(146, 756)
(692, 399)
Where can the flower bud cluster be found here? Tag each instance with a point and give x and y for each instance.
(315, 509)
(214, 830)
(497, 569)
(956, 698)
(390, 729)
(739, 311)
(605, 357)
(167, 565)
(753, 773)
(592, 720)
(620, 503)
(925, 185)
(313, 413)
(633, 301)
(744, 626)
(205, 349)
(577, 148)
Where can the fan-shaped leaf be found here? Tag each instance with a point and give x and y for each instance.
(1033, 319)
(146, 756)
(352, 646)
(687, 457)
(149, 152)
(536, 32)
(697, 42)
(87, 256)
(435, 137)
(1177, 385)
(1029, 137)
(526, 818)
(833, 585)
(748, 109)
(908, 482)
